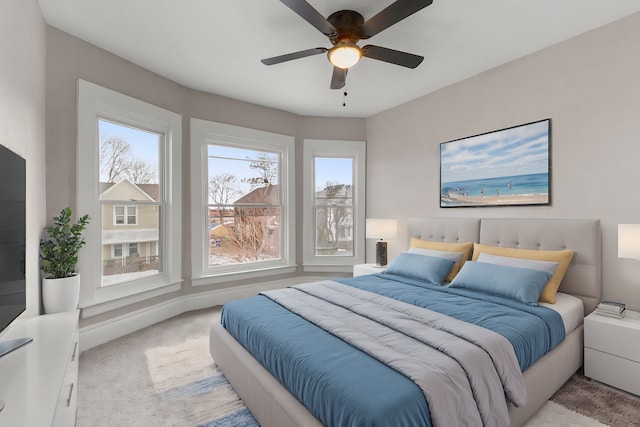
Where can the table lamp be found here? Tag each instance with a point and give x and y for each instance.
(629, 241)
(377, 228)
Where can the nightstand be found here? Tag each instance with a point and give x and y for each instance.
(612, 350)
(362, 269)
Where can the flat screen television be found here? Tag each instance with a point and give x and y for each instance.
(12, 244)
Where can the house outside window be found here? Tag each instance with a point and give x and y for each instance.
(244, 208)
(334, 203)
(242, 194)
(132, 150)
(132, 180)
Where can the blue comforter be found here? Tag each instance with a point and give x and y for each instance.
(343, 386)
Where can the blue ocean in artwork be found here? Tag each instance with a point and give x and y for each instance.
(537, 183)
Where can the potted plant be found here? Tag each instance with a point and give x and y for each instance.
(59, 255)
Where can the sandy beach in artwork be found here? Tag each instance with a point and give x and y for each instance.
(507, 199)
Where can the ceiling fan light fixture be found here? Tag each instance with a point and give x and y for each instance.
(344, 55)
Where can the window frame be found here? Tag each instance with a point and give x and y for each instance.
(95, 103)
(114, 246)
(355, 150)
(125, 215)
(203, 133)
(129, 252)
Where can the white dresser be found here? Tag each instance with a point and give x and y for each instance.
(612, 350)
(38, 382)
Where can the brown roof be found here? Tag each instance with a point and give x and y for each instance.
(268, 194)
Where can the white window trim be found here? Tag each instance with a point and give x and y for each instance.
(97, 102)
(326, 148)
(125, 215)
(205, 132)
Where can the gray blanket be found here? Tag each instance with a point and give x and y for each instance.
(465, 372)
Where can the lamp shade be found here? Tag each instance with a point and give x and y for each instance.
(377, 228)
(629, 241)
(345, 55)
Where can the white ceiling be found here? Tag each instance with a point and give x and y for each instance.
(216, 45)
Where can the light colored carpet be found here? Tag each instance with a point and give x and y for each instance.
(163, 375)
(553, 414)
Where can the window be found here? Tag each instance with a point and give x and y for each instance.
(125, 215)
(333, 205)
(243, 205)
(242, 202)
(133, 249)
(129, 183)
(117, 250)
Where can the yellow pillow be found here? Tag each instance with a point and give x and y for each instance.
(563, 258)
(465, 248)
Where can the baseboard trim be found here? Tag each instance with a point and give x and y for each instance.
(108, 330)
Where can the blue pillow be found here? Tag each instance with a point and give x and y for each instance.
(520, 284)
(421, 267)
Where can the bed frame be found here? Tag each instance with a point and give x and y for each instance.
(273, 406)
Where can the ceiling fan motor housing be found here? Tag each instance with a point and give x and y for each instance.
(348, 23)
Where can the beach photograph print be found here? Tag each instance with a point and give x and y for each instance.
(509, 167)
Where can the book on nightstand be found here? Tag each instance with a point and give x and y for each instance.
(611, 309)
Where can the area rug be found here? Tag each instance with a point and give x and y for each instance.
(605, 404)
(163, 375)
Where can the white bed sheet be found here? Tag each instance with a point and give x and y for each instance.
(570, 308)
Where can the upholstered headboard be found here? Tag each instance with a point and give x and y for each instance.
(449, 230)
(583, 277)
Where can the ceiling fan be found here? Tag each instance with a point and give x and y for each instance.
(345, 28)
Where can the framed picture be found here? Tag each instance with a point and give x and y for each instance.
(507, 167)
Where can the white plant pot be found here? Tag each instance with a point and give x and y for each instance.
(60, 294)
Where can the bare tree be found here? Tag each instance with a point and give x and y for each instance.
(117, 163)
(140, 172)
(223, 190)
(256, 234)
(267, 171)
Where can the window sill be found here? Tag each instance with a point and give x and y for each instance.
(107, 306)
(241, 275)
(328, 268)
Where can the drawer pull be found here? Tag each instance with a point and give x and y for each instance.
(75, 352)
(70, 395)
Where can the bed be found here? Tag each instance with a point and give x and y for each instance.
(274, 405)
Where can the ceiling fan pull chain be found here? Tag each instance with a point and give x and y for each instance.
(344, 99)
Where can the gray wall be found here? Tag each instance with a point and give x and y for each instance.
(589, 86)
(70, 59)
(22, 118)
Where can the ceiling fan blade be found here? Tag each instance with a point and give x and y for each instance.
(312, 16)
(392, 56)
(338, 78)
(392, 14)
(294, 55)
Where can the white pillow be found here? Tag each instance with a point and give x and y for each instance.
(453, 256)
(506, 261)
